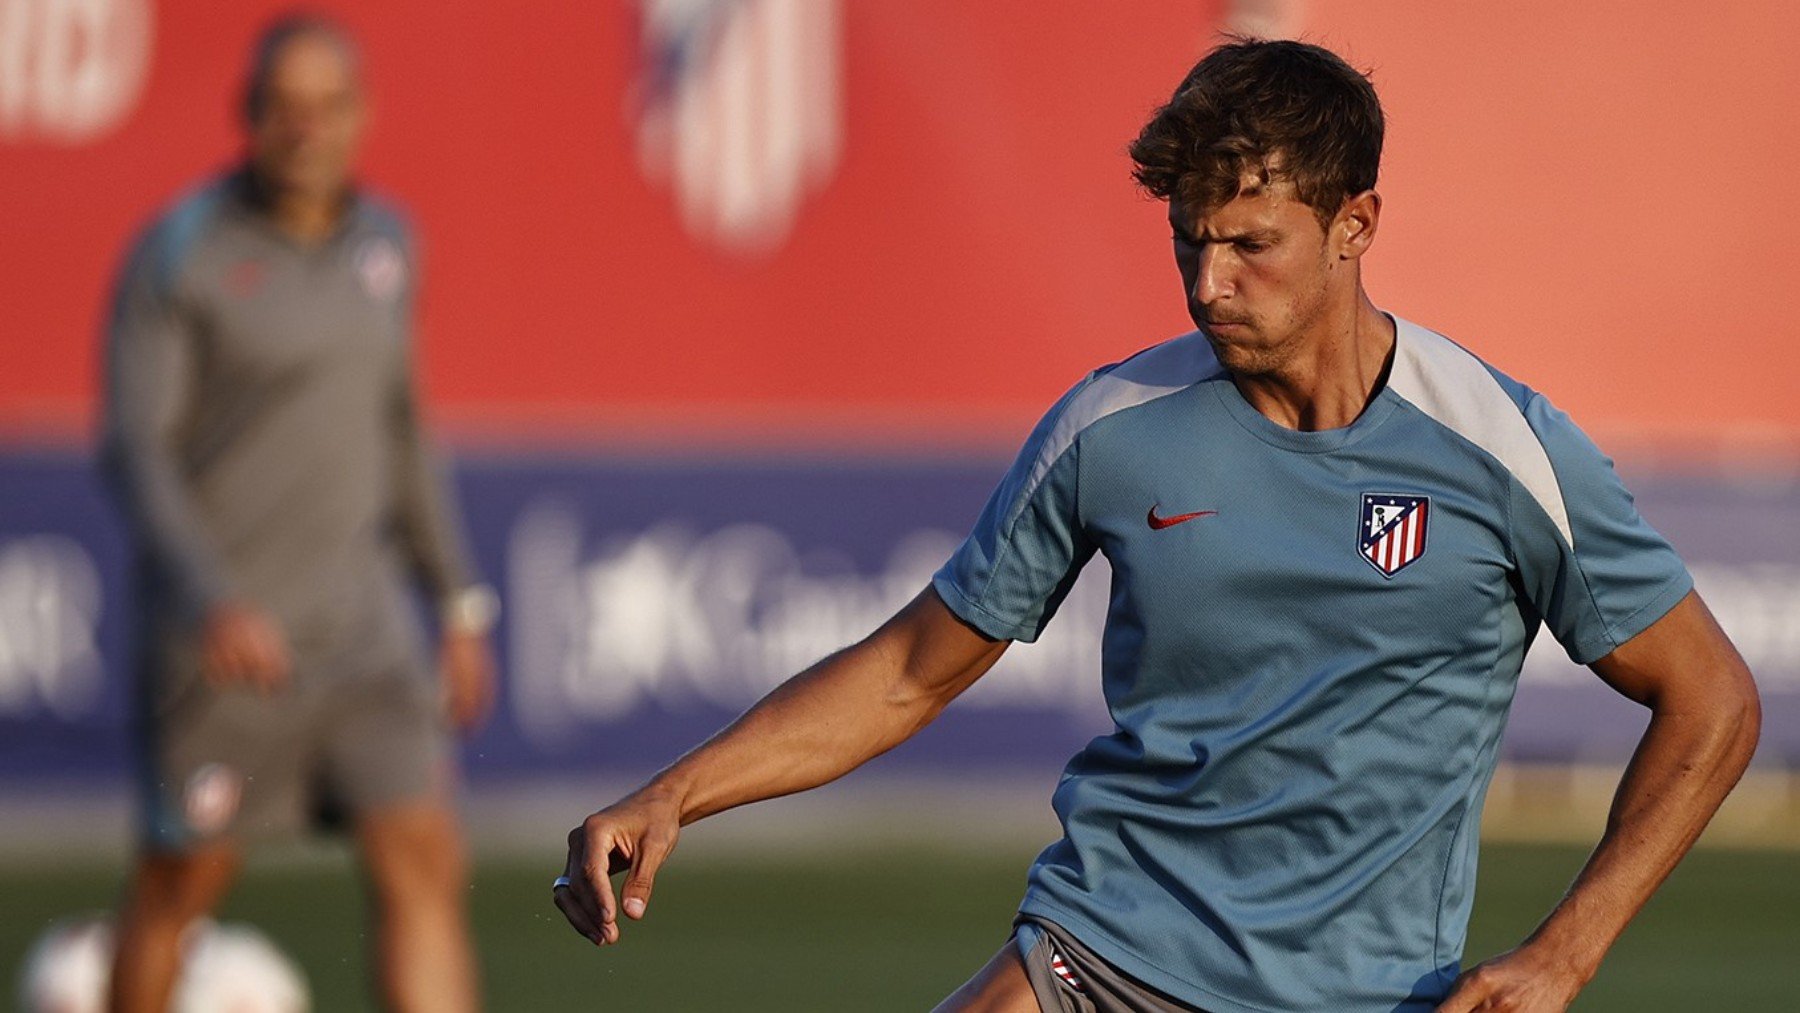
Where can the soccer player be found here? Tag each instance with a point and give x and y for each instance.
(1333, 534)
(263, 437)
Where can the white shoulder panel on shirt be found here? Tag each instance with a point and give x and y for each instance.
(1155, 372)
(1453, 387)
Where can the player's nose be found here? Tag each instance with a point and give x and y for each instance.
(1211, 282)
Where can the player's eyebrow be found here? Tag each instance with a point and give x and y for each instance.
(1245, 236)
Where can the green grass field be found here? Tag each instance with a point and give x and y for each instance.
(897, 930)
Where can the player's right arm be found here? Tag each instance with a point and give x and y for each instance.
(151, 363)
(1003, 584)
(816, 727)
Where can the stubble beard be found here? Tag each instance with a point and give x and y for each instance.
(1271, 359)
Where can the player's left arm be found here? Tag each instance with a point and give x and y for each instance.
(431, 535)
(1705, 717)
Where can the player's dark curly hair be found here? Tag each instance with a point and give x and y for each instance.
(1255, 111)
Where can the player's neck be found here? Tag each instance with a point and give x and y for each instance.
(1334, 373)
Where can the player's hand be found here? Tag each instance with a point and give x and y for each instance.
(466, 664)
(241, 645)
(635, 834)
(1526, 980)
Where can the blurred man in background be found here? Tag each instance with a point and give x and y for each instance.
(262, 434)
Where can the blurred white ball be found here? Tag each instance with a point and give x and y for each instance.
(232, 968)
(67, 968)
(226, 969)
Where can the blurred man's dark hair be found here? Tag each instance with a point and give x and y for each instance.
(274, 38)
(1254, 112)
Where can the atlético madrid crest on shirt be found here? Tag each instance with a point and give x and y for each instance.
(1393, 530)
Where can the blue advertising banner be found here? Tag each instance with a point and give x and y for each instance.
(647, 601)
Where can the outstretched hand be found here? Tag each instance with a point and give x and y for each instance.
(634, 835)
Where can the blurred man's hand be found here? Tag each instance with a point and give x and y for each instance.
(467, 661)
(241, 645)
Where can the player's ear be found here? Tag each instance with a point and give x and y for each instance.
(1353, 229)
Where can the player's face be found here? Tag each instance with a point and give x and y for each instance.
(304, 138)
(1257, 273)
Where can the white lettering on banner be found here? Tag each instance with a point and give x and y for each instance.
(70, 70)
(676, 618)
(1758, 606)
(49, 614)
(672, 617)
(740, 111)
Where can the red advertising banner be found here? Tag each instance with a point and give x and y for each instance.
(863, 222)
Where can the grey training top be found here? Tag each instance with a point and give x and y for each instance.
(262, 428)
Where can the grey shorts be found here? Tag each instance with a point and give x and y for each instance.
(240, 765)
(1067, 977)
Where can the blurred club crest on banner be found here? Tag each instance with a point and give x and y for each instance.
(739, 112)
(71, 70)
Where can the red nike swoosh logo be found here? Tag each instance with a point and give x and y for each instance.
(1159, 523)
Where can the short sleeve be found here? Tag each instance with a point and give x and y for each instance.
(1608, 575)
(1028, 546)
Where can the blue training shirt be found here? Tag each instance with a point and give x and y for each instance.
(1311, 646)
